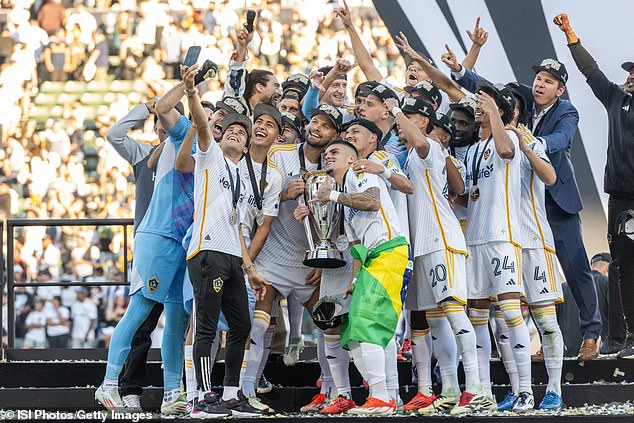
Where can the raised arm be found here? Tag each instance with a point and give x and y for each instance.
(237, 74)
(412, 134)
(131, 150)
(440, 79)
(196, 109)
(185, 163)
(341, 67)
(503, 144)
(168, 116)
(361, 54)
(478, 38)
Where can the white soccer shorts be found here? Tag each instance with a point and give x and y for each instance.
(493, 269)
(541, 276)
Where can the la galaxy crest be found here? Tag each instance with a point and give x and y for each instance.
(217, 284)
(152, 284)
(487, 154)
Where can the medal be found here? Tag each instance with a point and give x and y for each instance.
(474, 193)
(342, 242)
(234, 216)
(259, 217)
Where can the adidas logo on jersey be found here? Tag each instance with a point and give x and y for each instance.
(544, 291)
(511, 282)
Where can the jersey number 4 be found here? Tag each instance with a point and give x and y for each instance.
(505, 265)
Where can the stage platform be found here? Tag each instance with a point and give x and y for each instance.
(70, 384)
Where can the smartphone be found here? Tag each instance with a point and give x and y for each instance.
(192, 56)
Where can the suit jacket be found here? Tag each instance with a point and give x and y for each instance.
(557, 129)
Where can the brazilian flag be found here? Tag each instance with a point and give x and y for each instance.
(376, 297)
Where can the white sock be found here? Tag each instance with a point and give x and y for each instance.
(295, 314)
(357, 358)
(421, 351)
(520, 341)
(445, 349)
(190, 374)
(171, 395)
(268, 341)
(327, 383)
(338, 362)
(480, 321)
(261, 320)
(230, 392)
(391, 369)
(552, 344)
(109, 383)
(506, 351)
(466, 342)
(407, 333)
(374, 362)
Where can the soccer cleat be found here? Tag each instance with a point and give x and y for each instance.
(419, 401)
(175, 407)
(507, 403)
(257, 404)
(339, 405)
(190, 406)
(468, 403)
(524, 402)
(374, 407)
(241, 407)
(264, 386)
(295, 347)
(552, 401)
(488, 404)
(315, 406)
(132, 403)
(406, 349)
(109, 397)
(441, 404)
(203, 409)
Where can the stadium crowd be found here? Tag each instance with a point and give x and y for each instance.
(63, 167)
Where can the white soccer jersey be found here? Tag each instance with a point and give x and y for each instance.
(212, 228)
(432, 224)
(535, 231)
(271, 198)
(399, 199)
(371, 228)
(286, 243)
(494, 216)
(459, 210)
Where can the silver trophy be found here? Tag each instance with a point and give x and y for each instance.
(322, 222)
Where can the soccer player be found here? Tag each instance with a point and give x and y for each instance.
(372, 227)
(218, 258)
(493, 234)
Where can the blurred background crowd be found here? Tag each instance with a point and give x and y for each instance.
(68, 70)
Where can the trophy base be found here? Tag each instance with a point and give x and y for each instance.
(324, 259)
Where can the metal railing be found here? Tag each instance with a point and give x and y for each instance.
(11, 284)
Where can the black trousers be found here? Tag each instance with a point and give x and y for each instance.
(574, 262)
(621, 271)
(132, 378)
(59, 341)
(218, 282)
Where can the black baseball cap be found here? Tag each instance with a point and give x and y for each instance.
(334, 114)
(293, 121)
(442, 120)
(326, 69)
(384, 92)
(367, 124)
(267, 109)
(500, 91)
(428, 90)
(237, 118)
(466, 104)
(524, 97)
(418, 106)
(295, 86)
(232, 105)
(607, 257)
(554, 67)
(365, 88)
(627, 66)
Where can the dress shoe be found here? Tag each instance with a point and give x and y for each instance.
(611, 346)
(589, 349)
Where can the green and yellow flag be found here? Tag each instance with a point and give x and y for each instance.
(376, 298)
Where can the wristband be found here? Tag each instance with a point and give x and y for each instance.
(190, 93)
(387, 173)
(334, 196)
(396, 110)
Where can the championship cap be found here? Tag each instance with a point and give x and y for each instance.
(335, 116)
(267, 109)
(237, 118)
(445, 123)
(418, 106)
(365, 88)
(232, 105)
(367, 124)
(293, 121)
(627, 66)
(428, 90)
(555, 67)
(467, 104)
(295, 86)
(384, 92)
